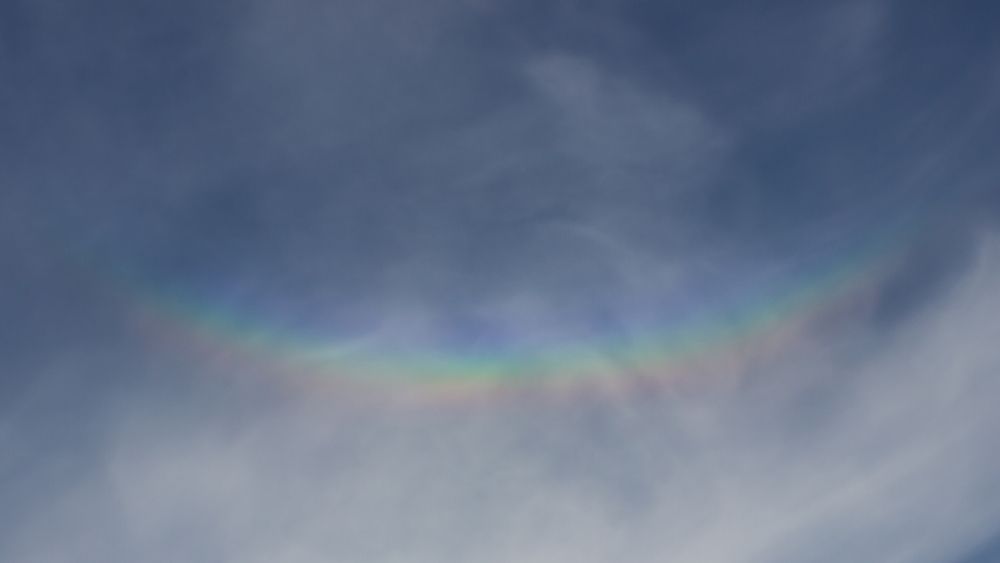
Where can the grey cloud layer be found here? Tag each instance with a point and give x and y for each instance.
(464, 171)
(892, 468)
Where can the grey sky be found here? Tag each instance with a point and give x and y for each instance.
(455, 176)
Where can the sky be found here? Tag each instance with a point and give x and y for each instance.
(481, 281)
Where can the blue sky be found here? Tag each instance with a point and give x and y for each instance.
(458, 177)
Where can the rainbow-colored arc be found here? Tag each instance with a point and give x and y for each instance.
(720, 341)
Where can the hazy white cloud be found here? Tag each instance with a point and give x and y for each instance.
(395, 173)
(896, 467)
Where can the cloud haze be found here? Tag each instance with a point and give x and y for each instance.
(194, 197)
